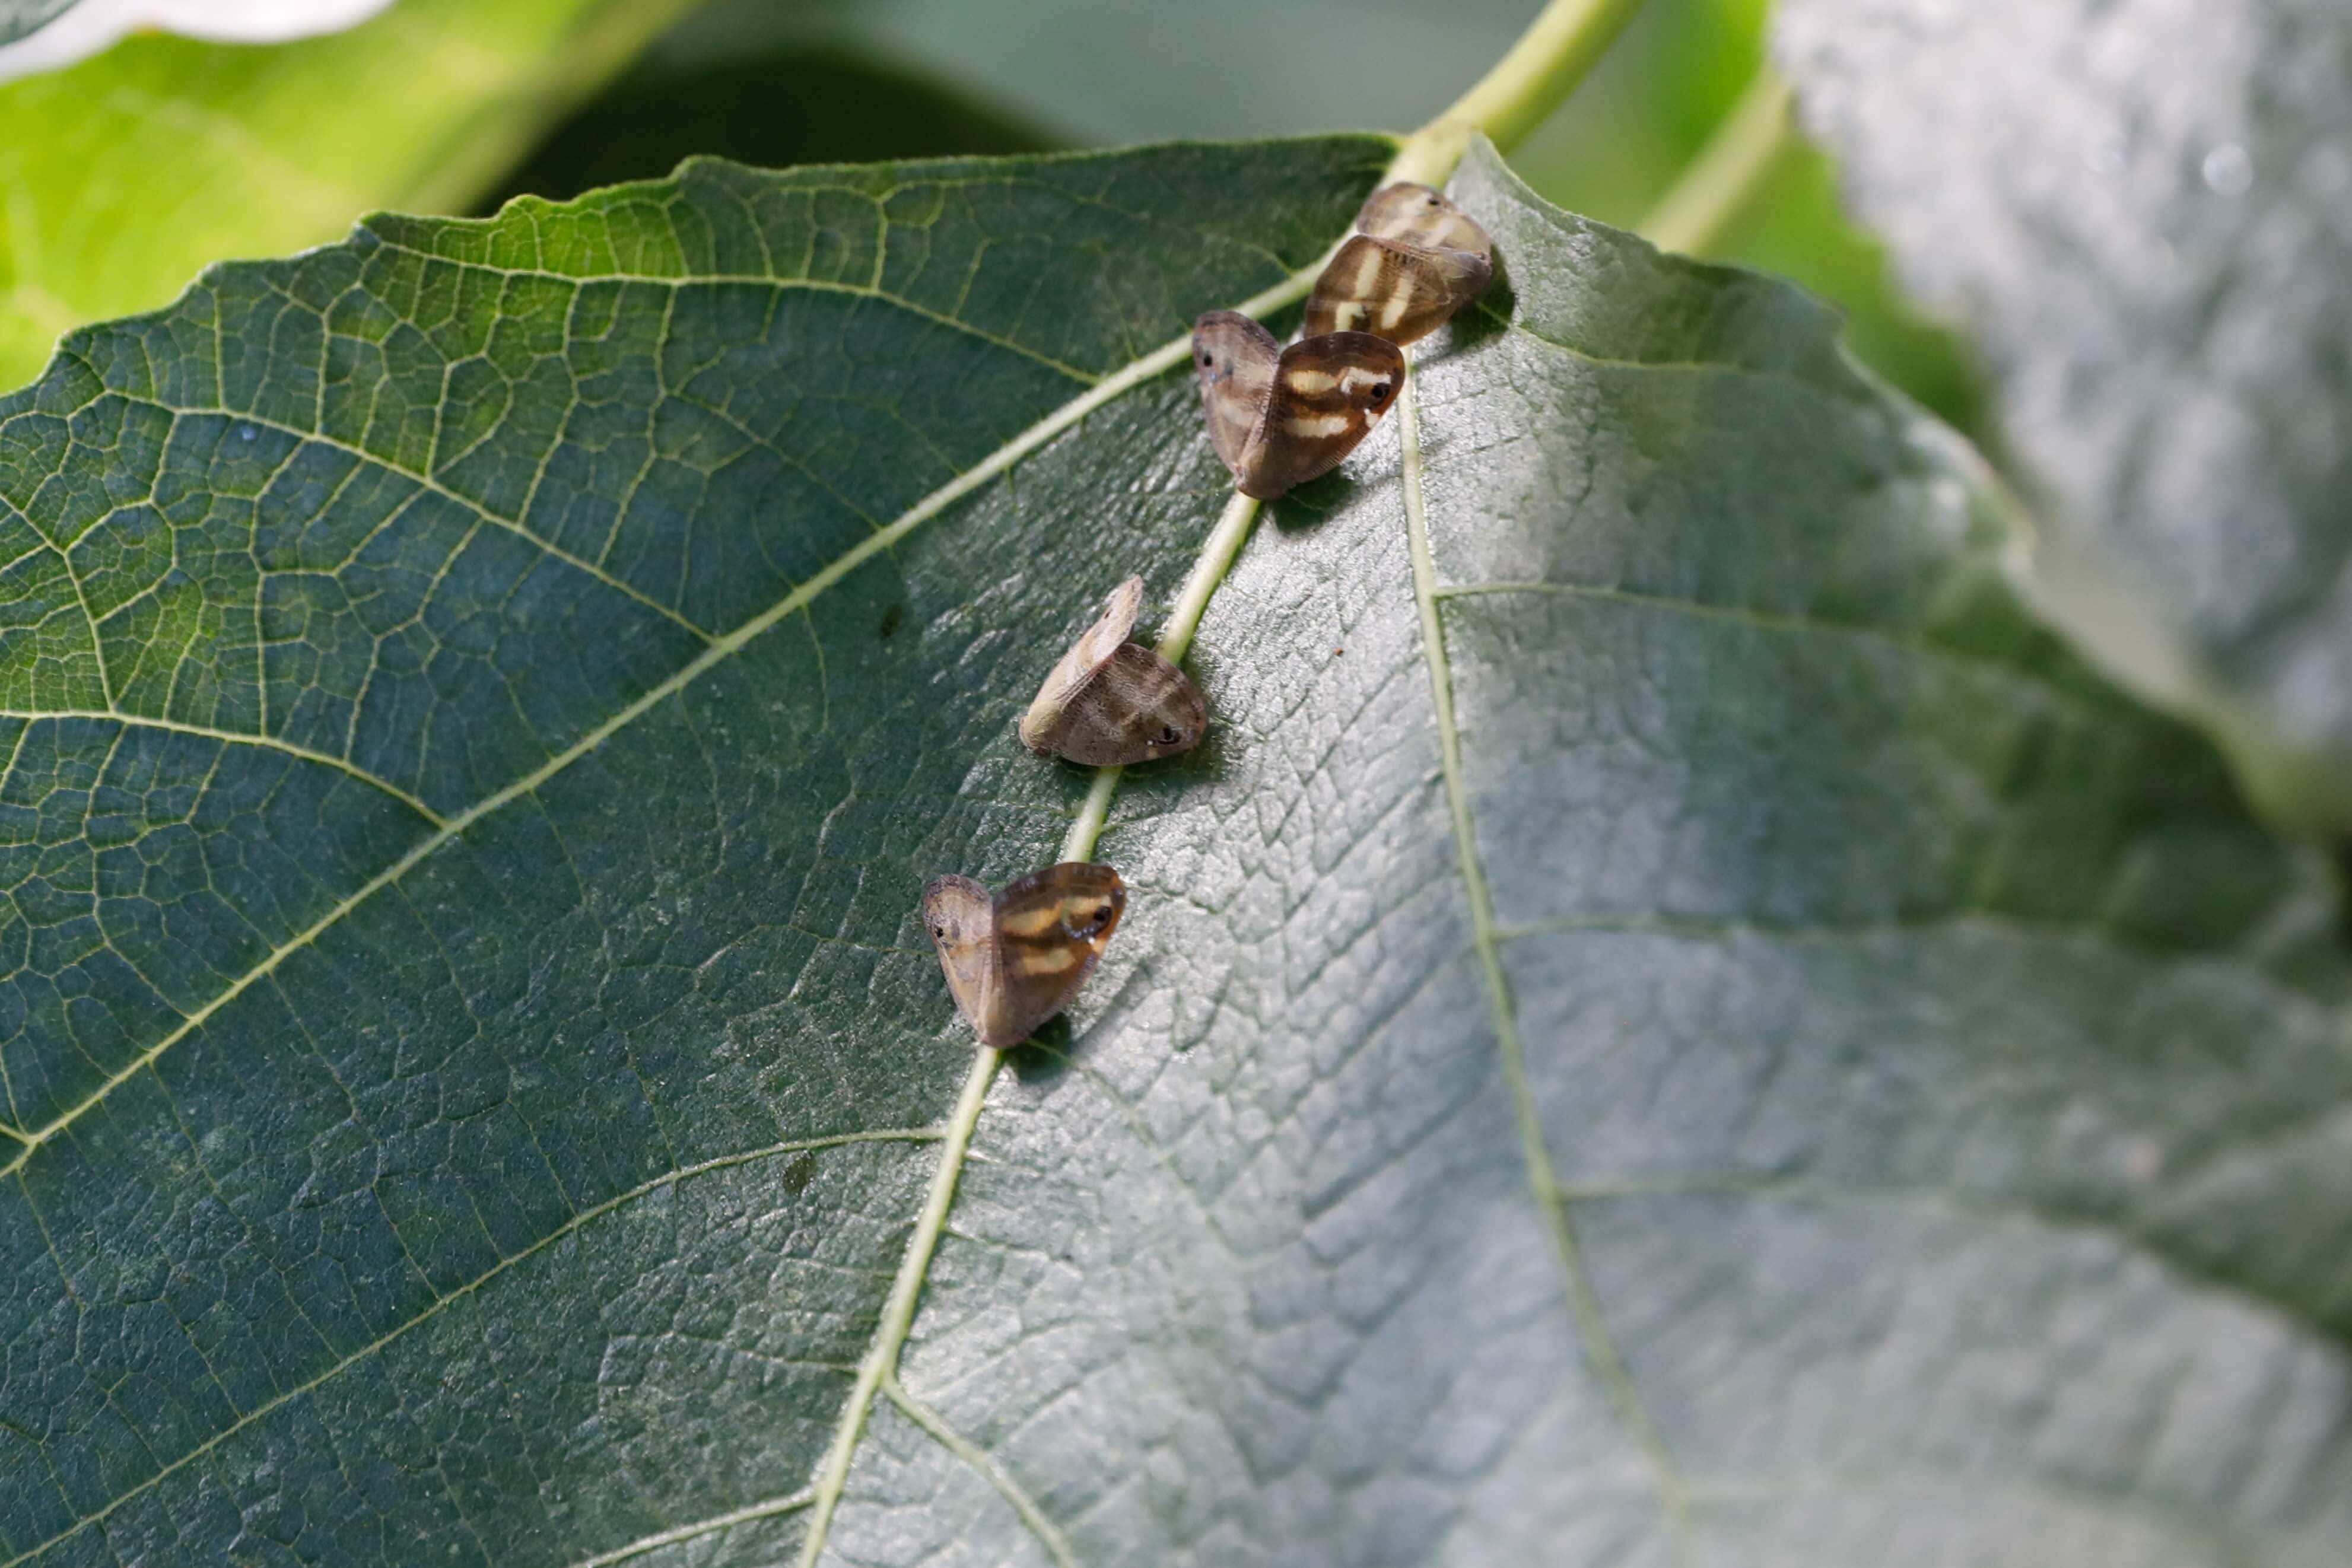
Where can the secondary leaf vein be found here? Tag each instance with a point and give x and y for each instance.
(1600, 1350)
(440, 1303)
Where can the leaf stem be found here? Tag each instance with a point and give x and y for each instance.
(1209, 568)
(881, 1359)
(1720, 186)
(1526, 84)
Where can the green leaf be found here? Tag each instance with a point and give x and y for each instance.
(128, 173)
(1749, 1053)
(2137, 209)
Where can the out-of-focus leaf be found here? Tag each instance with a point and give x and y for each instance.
(816, 104)
(1616, 147)
(1117, 71)
(122, 177)
(1231, 67)
(2143, 211)
(1670, 1018)
(21, 17)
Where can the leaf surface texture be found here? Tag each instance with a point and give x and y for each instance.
(1738, 1049)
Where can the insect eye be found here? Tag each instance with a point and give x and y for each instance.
(1168, 735)
(1379, 391)
(940, 932)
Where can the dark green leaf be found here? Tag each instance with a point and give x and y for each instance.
(2138, 210)
(487, 695)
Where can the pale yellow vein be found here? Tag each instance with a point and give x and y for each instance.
(881, 1362)
(1543, 1176)
(756, 280)
(237, 737)
(699, 1529)
(441, 1303)
(1048, 1534)
(423, 481)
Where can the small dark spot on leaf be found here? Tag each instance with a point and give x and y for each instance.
(890, 618)
(799, 1173)
(1336, 652)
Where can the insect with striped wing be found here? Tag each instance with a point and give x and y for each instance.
(1279, 417)
(1110, 702)
(1015, 960)
(1415, 260)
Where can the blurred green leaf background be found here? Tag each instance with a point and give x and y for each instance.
(127, 174)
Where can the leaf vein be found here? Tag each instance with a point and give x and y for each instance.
(427, 482)
(1543, 1178)
(1794, 624)
(700, 1527)
(442, 1302)
(1049, 1535)
(747, 279)
(231, 737)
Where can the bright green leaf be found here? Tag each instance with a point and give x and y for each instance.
(2138, 209)
(1753, 1051)
(122, 177)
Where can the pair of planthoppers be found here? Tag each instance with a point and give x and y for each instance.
(1277, 417)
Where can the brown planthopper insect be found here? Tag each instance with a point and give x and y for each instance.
(1110, 702)
(1015, 960)
(1415, 260)
(1279, 417)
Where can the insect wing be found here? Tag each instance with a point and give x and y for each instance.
(1329, 391)
(1047, 717)
(1415, 259)
(962, 919)
(1051, 927)
(1418, 216)
(1138, 707)
(1235, 358)
(1392, 290)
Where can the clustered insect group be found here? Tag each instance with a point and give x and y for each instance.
(1278, 417)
